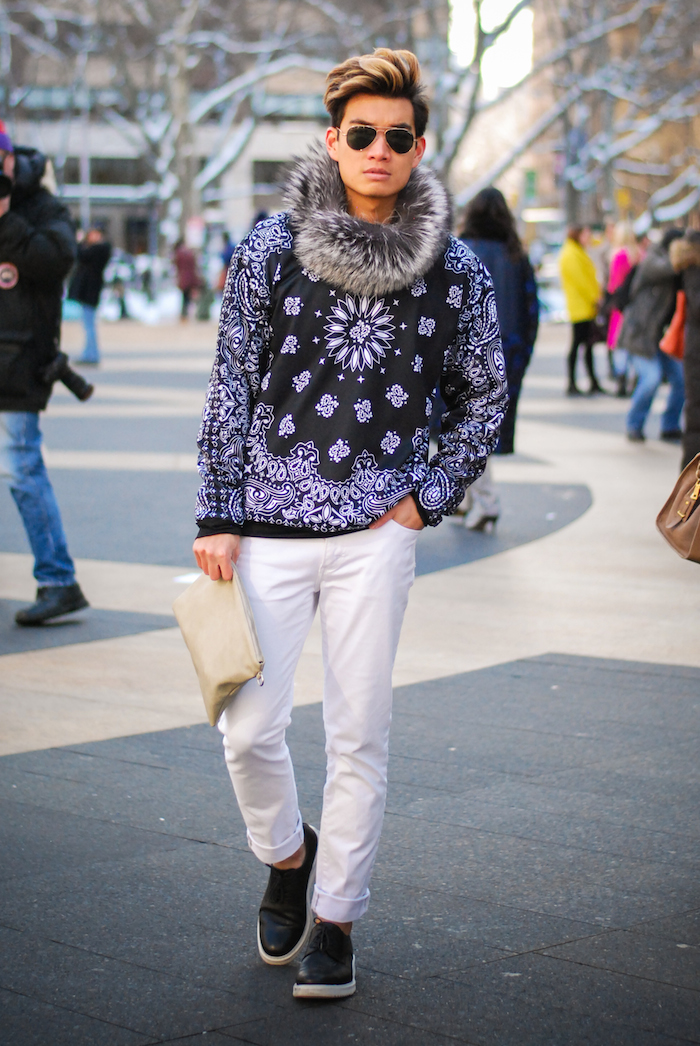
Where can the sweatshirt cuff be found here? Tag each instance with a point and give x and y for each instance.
(421, 511)
(208, 527)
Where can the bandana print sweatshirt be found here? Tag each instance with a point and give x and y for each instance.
(334, 332)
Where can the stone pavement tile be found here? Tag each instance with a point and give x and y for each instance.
(590, 831)
(86, 627)
(534, 1000)
(129, 995)
(553, 795)
(681, 929)
(115, 906)
(547, 878)
(421, 912)
(653, 958)
(332, 1024)
(155, 798)
(205, 1038)
(25, 1021)
(34, 840)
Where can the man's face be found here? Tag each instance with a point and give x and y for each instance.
(376, 172)
(7, 162)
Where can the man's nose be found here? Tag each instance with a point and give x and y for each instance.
(379, 148)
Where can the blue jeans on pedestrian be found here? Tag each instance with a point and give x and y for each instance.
(22, 464)
(650, 373)
(90, 352)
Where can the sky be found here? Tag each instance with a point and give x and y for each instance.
(510, 58)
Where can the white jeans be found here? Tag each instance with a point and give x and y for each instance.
(360, 582)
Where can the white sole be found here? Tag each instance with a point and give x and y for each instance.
(284, 960)
(326, 991)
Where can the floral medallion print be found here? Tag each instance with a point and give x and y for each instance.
(287, 426)
(326, 405)
(390, 442)
(292, 306)
(339, 450)
(454, 296)
(426, 326)
(419, 287)
(290, 344)
(310, 275)
(396, 395)
(358, 332)
(363, 409)
(418, 364)
(301, 380)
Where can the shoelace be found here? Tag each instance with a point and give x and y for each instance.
(322, 940)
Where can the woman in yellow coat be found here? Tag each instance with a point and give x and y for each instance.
(582, 292)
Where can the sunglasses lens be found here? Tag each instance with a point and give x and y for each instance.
(399, 140)
(360, 137)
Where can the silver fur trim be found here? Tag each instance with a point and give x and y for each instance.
(365, 258)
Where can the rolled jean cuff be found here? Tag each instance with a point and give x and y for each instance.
(275, 854)
(338, 909)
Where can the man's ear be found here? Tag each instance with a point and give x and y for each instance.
(420, 152)
(332, 142)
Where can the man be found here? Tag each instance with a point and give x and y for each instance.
(339, 319)
(37, 250)
(86, 287)
(652, 304)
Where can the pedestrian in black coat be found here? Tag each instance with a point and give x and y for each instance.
(685, 258)
(37, 250)
(86, 287)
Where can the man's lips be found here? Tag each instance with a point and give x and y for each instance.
(377, 172)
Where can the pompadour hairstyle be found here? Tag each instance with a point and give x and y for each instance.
(393, 74)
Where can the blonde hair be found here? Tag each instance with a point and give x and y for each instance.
(393, 74)
(623, 235)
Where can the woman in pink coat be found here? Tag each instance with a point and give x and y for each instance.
(625, 256)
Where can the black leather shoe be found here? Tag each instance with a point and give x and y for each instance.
(327, 970)
(634, 436)
(285, 918)
(52, 601)
(672, 436)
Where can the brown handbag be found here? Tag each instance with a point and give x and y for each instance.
(673, 341)
(679, 519)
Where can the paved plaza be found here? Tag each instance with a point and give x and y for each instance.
(537, 881)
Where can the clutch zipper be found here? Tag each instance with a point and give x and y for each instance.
(693, 496)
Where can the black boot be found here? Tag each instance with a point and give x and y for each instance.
(52, 601)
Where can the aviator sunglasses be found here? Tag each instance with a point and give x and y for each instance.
(360, 137)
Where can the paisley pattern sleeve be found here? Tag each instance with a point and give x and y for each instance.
(241, 352)
(474, 389)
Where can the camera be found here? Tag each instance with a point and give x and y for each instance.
(6, 186)
(60, 370)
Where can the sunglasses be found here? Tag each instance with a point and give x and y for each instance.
(360, 137)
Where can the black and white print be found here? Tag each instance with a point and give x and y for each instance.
(304, 415)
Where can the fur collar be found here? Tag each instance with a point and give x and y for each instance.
(685, 252)
(357, 256)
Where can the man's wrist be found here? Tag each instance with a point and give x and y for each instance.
(419, 508)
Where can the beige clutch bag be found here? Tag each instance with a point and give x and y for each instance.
(218, 627)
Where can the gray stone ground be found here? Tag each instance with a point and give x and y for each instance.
(537, 882)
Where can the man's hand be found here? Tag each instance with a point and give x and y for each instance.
(215, 553)
(404, 513)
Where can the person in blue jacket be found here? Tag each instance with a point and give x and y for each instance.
(489, 230)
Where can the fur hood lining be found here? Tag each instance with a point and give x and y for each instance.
(359, 257)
